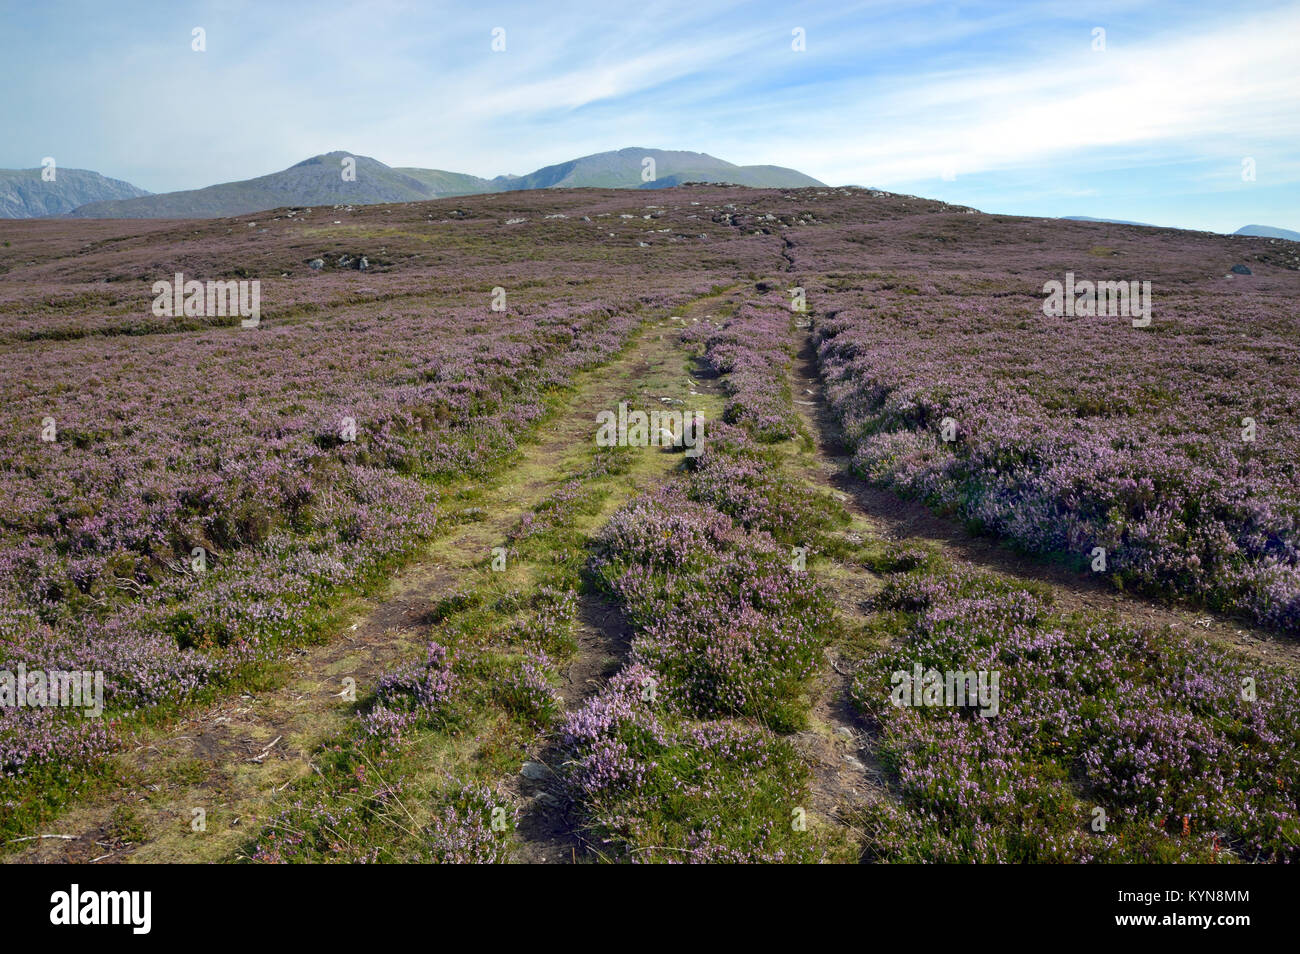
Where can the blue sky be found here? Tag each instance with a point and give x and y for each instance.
(1004, 106)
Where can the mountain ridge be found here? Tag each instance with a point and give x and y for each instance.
(24, 194)
(319, 180)
(1268, 231)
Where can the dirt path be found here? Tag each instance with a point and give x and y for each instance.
(231, 758)
(547, 831)
(839, 744)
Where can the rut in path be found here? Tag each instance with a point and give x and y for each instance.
(839, 744)
(548, 831)
(232, 757)
(896, 518)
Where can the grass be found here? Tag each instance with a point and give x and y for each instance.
(39, 796)
(502, 627)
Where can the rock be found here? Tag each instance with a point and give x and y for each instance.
(316, 264)
(854, 764)
(536, 771)
(363, 264)
(1240, 270)
(844, 731)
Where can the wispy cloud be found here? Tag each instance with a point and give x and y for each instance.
(983, 103)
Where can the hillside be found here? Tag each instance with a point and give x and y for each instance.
(622, 169)
(1268, 231)
(25, 195)
(314, 181)
(422, 573)
(445, 184)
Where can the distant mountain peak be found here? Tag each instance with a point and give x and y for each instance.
(24, 194)
(1268, 231)
(316, 181)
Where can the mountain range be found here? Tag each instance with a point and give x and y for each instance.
(320, 181)
(24, 194)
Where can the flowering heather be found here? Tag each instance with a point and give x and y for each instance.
(468, 824)
(732, 629)
(1151, 727)
(743, 480)
(723, 626)
(463, 832)
(418, 693)
(1077, 433)
(171, 435)
(526, 691)
(681, 790)
(37, 736)
(548, 627)
(752, 351)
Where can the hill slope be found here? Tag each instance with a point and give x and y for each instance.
(314, 181)
(25, 195)
(622, 169)
(1268, 231)
(441, 183)
(1089, 218)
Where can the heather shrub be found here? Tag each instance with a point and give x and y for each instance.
(731, 630)
(96, 555)
(418, 694)
(525, 690)
(724, 626)
(1152, 727)
(745, 482)
(548, 628)
(1073, 434)
(471, 825)
(657, 788)
(752, 352)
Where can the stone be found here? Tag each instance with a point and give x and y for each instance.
(535, 770)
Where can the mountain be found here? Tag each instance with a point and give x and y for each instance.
(1089, 218)
(440, 183)
(315, 181)
(25, 195)
(1268, 231)
(318, 181)
(623, 170)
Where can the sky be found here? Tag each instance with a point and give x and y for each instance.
(1017, 107)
